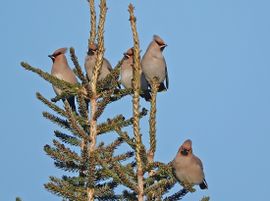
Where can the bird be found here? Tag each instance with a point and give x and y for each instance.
(127, 75)
(90, 61)
(187, 167)
(62, 71)
(154, 64)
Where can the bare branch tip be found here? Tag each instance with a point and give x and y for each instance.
(71, 50)
(130, 7)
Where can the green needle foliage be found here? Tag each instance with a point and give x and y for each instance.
(97, 170)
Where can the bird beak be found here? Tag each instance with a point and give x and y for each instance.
(163, 46)
(126, 55)
(51, 56)
(91, 52)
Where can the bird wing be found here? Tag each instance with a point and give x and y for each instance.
(167, 77)
(109, 65)
(198, 161)
(204, 184)
(173, 170)
(70, 76)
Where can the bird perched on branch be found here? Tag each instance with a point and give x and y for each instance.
(90, 62)
(187, 167)
(127, 75)
(62, 71)
(154, 64)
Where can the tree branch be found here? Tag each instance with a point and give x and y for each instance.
(136, 103)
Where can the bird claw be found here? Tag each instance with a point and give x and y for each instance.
(188, 186)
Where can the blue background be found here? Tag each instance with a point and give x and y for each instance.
(218, 63)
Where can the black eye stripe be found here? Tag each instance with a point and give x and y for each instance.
(160, 43)
(186, 149)
(56, 54)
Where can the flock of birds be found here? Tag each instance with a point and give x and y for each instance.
(187, 167)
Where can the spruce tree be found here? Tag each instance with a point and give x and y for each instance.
(96, 168)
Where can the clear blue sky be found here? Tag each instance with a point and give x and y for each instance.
(219, 96)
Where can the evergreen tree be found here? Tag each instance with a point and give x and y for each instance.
(98, 170)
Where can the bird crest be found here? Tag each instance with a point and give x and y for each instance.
(59, 51)
(186, 148)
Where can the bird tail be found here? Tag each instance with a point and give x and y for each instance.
(162, 87)
(146, 95)
(203, 185)
(71, 101)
